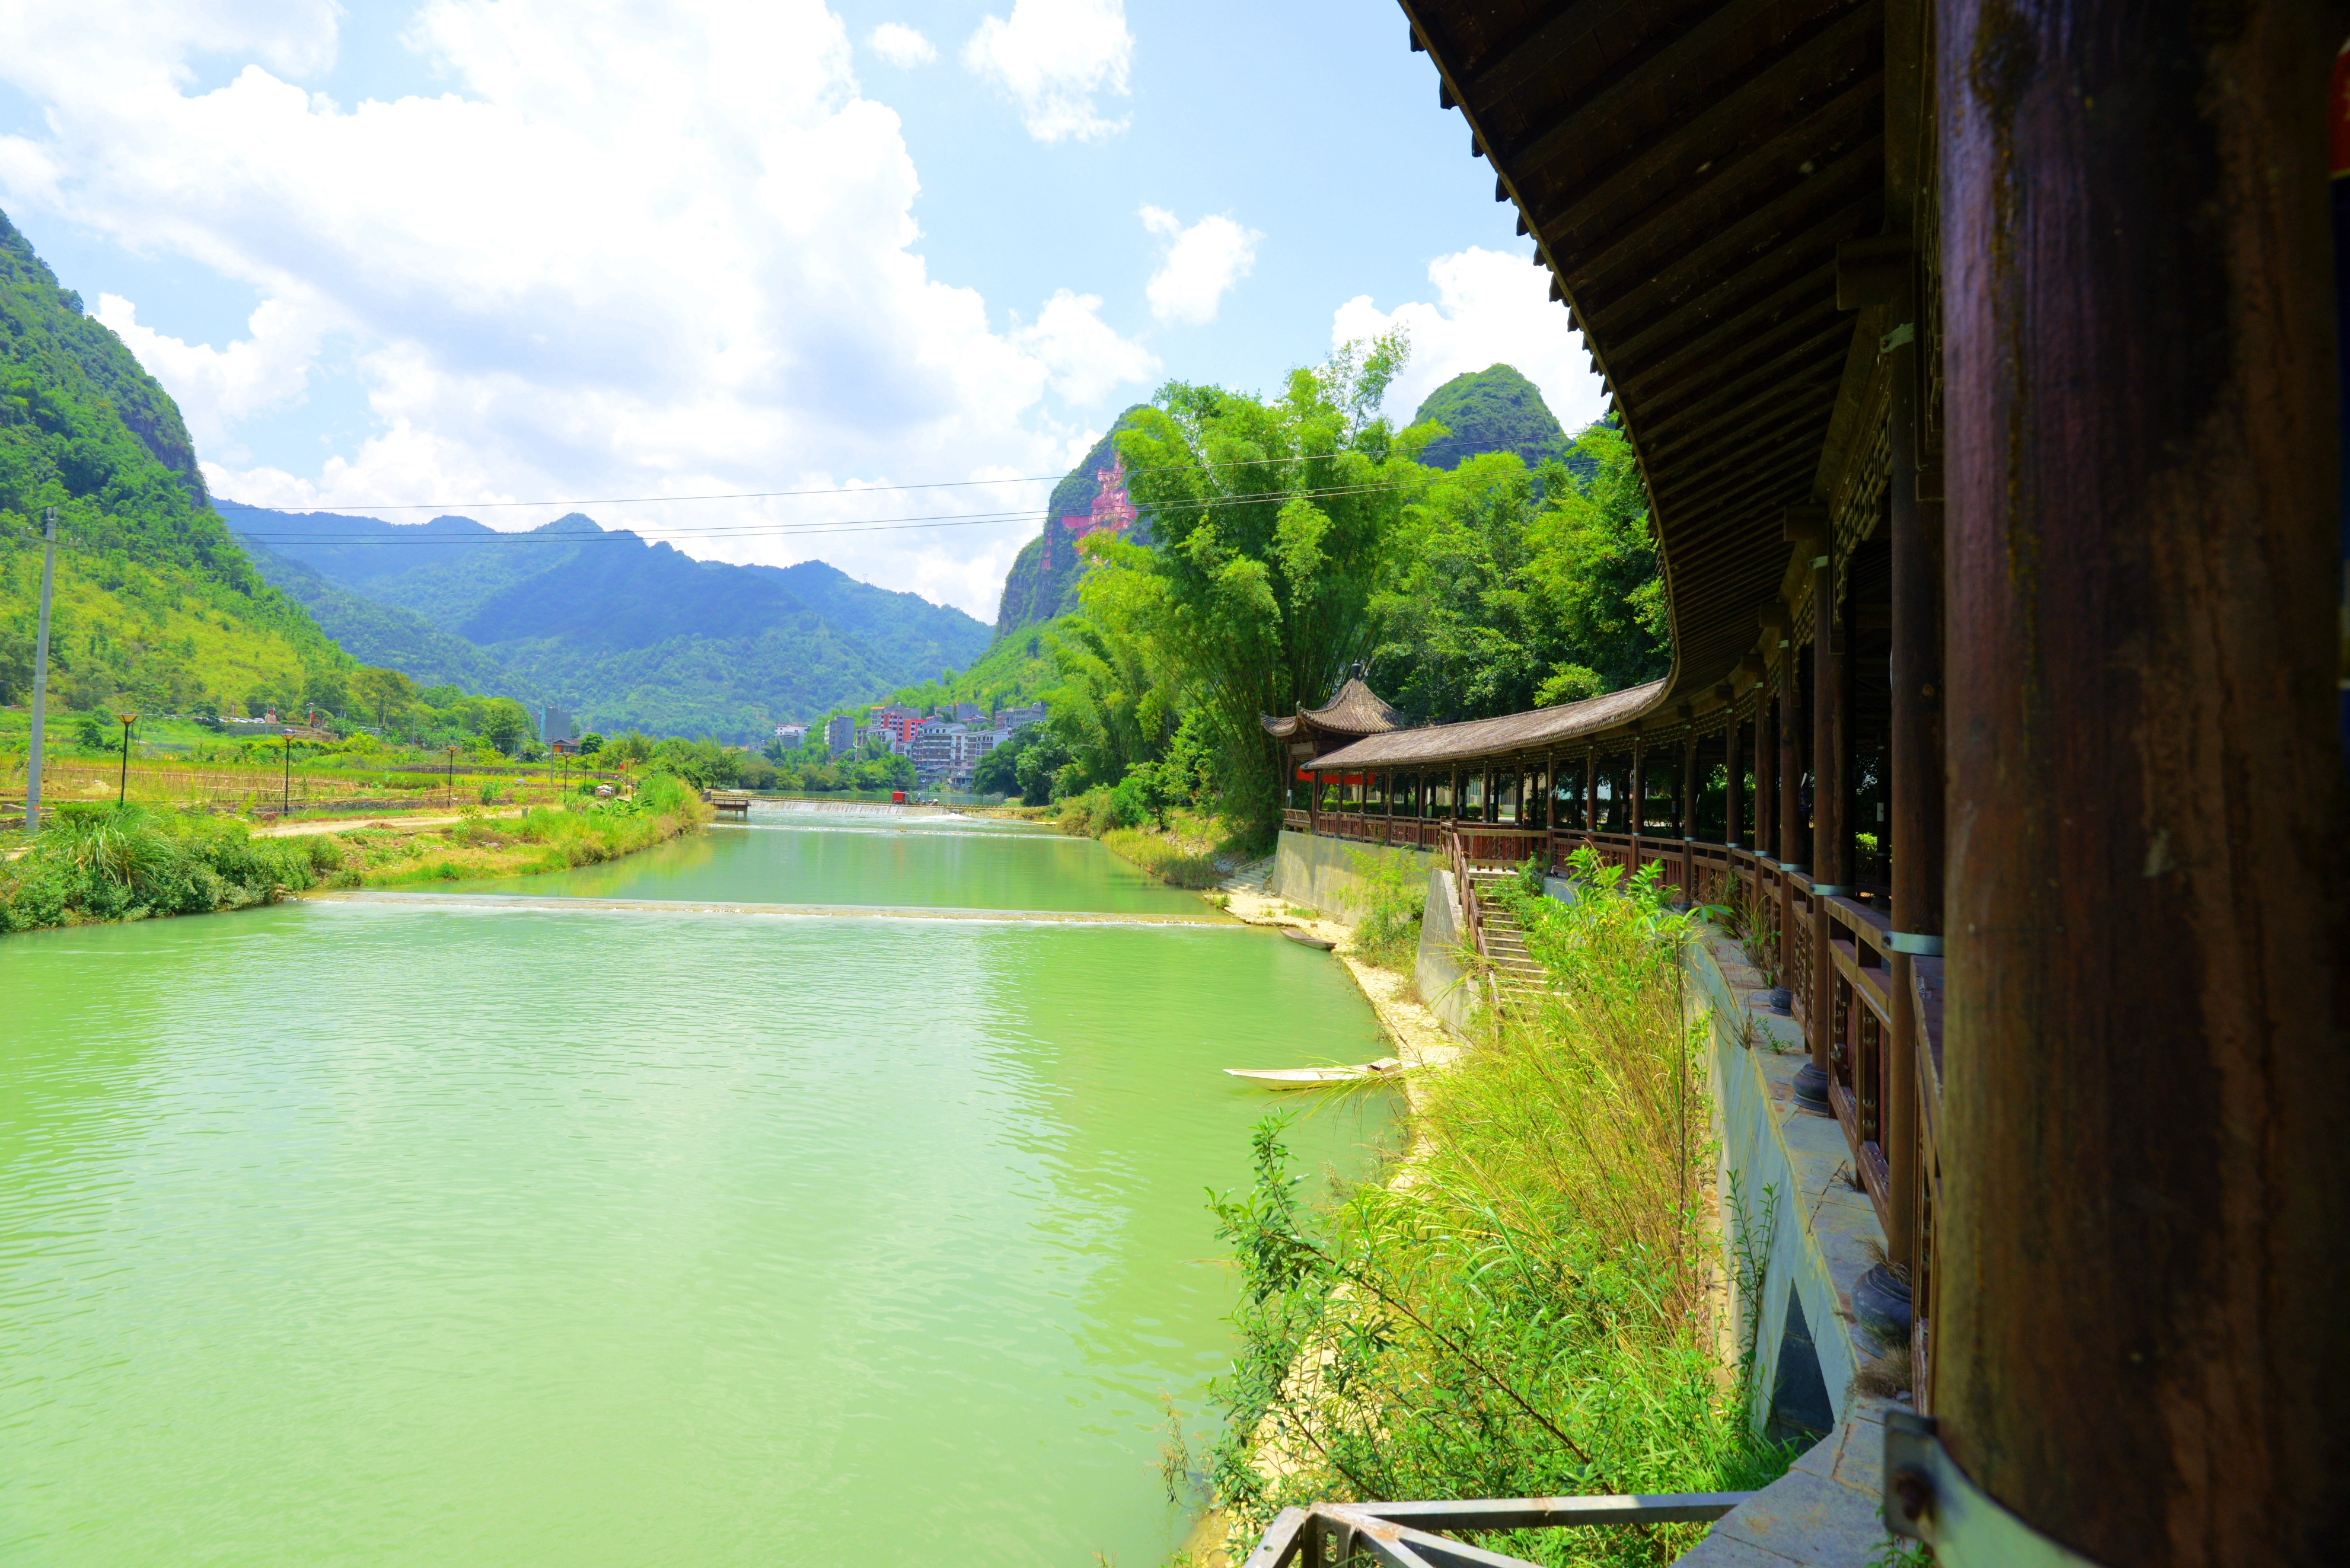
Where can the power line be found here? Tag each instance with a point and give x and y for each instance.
(792, 530)
(451, 506)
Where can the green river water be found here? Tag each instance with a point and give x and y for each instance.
(461, 1231)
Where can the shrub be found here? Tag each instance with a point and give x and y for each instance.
(1528, 1314)
(1389, 900)
(108, 863)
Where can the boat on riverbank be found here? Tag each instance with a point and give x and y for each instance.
(1315, 1078)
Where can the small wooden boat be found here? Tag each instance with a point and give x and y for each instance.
(1305, 938)
(1314, 1077)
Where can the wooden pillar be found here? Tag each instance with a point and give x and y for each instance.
(1689, 786)
(1733, 799)
(1637, 816)
(1590, 792)
(1766, 775)
(1794, 833)
(1916, 828)
(2146, 1146)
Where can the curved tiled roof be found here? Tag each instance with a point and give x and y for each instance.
(1355, 709)
(1488, 737)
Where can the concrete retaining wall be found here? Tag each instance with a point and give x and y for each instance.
(1793, 1166)
(1443, 988)
(1319, 872)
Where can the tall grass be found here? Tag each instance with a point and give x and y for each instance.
(1524, 1311)
(1388, 901)
(91, 864)
(94, 863)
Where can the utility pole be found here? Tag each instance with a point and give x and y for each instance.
(41, 669)
(285, 800)
(122, 787)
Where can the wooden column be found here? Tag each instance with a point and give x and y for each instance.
(1590, 793)
(1733, 799)
(1916, 831)
(1766, 775)
(1795, 833)
(2145, 1148)
(1689, 786)
(1637, 816)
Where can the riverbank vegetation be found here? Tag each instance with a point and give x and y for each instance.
(1529, 1310)
(92, 864)
(1290, 540)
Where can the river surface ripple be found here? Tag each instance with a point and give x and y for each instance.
(502, 1232)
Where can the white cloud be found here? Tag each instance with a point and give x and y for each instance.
(217, 388)
(1087, 358)
(901, 46)
(631, 251)
(1197, 266)
(1051, 56)
(1492, 308)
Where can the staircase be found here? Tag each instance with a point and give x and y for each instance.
(1518, 980)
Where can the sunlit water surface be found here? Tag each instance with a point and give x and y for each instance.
(465, 1234)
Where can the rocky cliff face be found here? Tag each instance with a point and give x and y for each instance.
(1093, 496)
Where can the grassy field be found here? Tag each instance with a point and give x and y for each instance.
(100, 863)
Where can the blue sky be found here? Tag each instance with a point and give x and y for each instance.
(466, 252)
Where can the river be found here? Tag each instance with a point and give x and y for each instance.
(580, 1229)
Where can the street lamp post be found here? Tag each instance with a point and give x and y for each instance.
(452, 778)
(285, 798)
(122, 786)
(41, 669)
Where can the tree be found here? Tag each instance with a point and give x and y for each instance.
(590, 743)
(998, 773)
(1270, 521)
(386, 693)
(1510, 589)
(1112, 709)
(504, 723)
(1594, 558)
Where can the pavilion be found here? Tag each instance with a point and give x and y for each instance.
(1981, 360)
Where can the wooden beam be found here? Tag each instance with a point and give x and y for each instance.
(2139, 1347)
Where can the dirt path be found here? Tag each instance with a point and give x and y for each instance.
(305, 829)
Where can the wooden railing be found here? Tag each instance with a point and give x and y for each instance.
(1330, 1533)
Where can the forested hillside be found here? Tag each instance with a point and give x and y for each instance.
(626, 634)
(156, 605)
(1488, 410)
(1043, 583)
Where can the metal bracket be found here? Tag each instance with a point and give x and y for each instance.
(1830, 891)
(1791, 866)
(1905, 333)
(1913, 944)
(1927, 1498)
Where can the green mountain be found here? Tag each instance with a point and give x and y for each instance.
(156, 606)
(624, 634)
(1493, 410)
(385, 635)
(1043, 583)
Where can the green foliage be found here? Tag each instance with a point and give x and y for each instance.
(1488, 410)
(1389, 900)
(1110, 710)
(1043, 581)
(1527, 1315)
(590, 743)
(155, 603)
(109, 863)
(1270, 521)
(1504, 595)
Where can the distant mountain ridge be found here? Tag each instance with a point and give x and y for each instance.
(622, 632)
